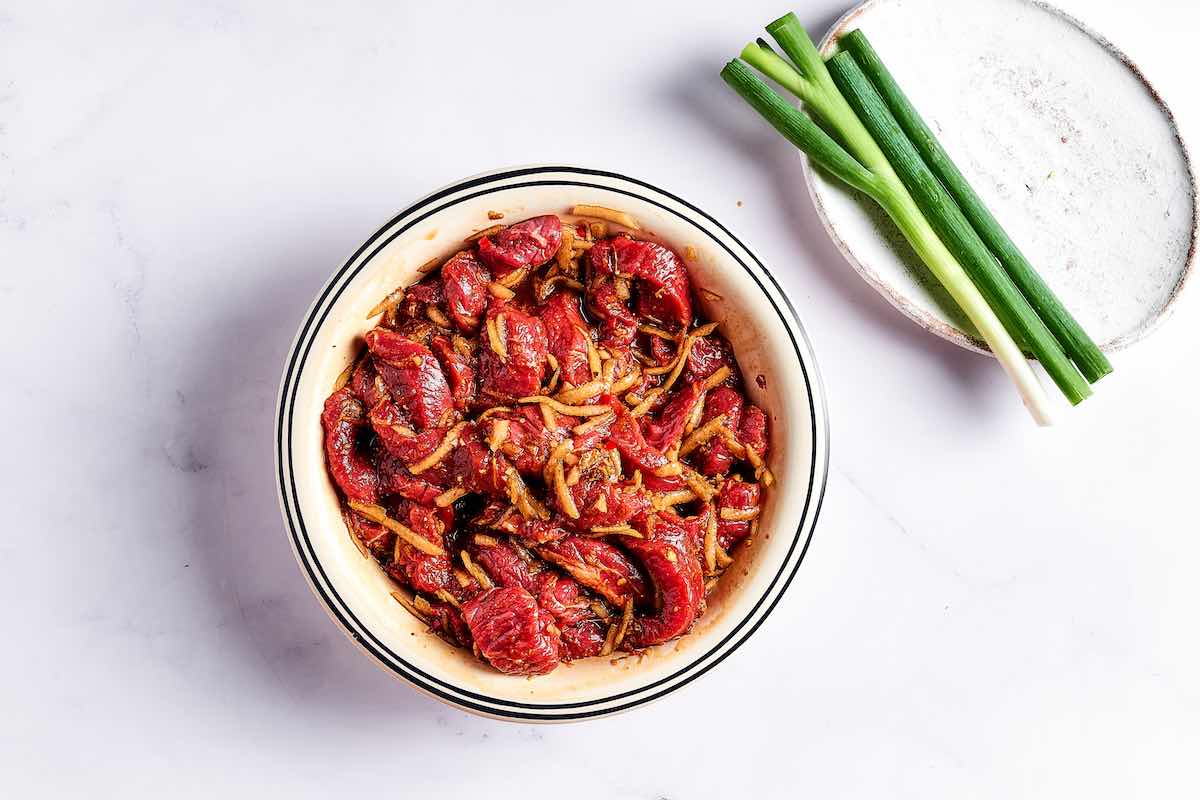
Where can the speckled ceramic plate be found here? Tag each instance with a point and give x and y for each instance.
(770, 345)
(1063, 138)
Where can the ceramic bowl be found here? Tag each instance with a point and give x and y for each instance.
(769, 341)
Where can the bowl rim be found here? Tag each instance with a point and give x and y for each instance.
(314, 318)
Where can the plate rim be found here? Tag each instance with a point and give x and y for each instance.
(946, 330)
(464, 698)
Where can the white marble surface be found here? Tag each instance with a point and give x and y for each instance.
(177, 179)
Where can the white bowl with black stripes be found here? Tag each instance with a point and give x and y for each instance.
(781, 376)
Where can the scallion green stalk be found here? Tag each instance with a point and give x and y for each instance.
(1078, 345)
(869, 171)
(952, 226)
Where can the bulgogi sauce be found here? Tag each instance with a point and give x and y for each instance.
(546, 447)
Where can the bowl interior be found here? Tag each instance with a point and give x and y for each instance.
(778, 378)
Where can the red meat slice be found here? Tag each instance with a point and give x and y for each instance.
(708, 354)
(667, 429)
(511, 631)
(618, 326)
(343, 420)
(392, 427)
(476, 468)
(424, 572)
(565, 337)
(715, 457)
(520, 371)
(448, 623)
(738, 496)
(464, 285)
(413, 377)
(602, 502)
(395, 479)
(530, 243)
(664, 291)
(539, 531)
(460, 371)
(419, 297)
(753, 431)
(662, 351)
(684, 533)
(679, 588)
(526, 440)
(626, 436)
(505, 565)
(368, 387)
(599, 566)
(581, 630)
(376, 538)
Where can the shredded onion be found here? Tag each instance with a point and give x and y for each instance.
(448, 497)
(714, 380)
(610, 641)
(474, 237)
(702, 434)
(476, 572)
(665, 500)
(593, 356)
(564, 409)
(582, 392)
(441, 452)
(710, 541)
(612, 215)
(643, 407)
(622, 530)
(739, 514)
(494, 339)
(445, 596)
(500, 291)
(697, 484)
(513, 278)
(626, 619)
(394, 298)
(592, 424)
(520, 496)
(564, 254)
(565, 500)
(491, 411)
(377, 514)
(409, 606)
(498, 435)
(737, 448)
(557, 454)
(344, 376)
(659, 332)
(669, 470)
(627, 382)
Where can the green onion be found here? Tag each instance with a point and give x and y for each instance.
(867, 169)
(952, 226)
(1070, 335)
